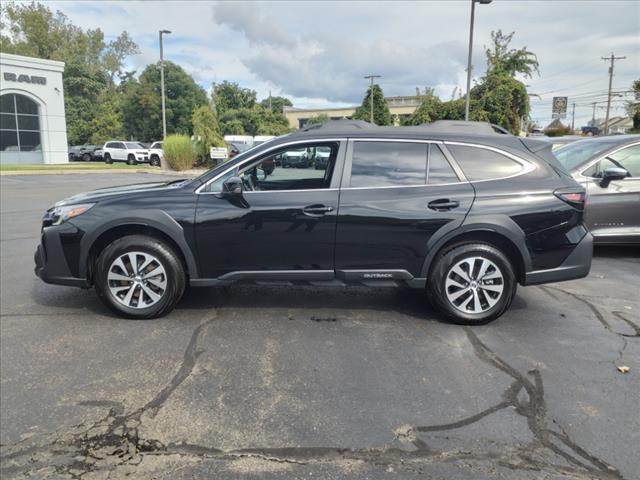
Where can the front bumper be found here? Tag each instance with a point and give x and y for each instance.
(576, 265)
(58, 248)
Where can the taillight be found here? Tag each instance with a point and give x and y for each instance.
(575, 198)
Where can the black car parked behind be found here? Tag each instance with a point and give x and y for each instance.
(452, 207)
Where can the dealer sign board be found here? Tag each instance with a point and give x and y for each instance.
(559, 109)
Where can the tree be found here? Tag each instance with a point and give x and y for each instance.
(501, 59)
(116, 53)
(106, 123)
(90, 64)
(276, 104)
(253, 121)
(381, 114)
(633, 106)
(230, 96)
(321, 118)
(142, 114)
(206, 131)
(429, 110)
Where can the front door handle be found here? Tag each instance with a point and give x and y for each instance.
(316, 210)
(443, 204)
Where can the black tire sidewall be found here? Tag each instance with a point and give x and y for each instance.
(131, 160)
(107, 158)
(436, 289)
(176, 278)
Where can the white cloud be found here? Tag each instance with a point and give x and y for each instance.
(319, 51)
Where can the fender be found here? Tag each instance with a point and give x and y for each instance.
(158, 219)
(500, 224)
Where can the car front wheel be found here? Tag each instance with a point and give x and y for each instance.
(107, 158)
(472, 284)
(139, 277)
(155, 161)
(131, 160)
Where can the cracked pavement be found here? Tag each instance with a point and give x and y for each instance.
(284, 382)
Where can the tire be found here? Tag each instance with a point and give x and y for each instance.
(107, 159)
(445, 287)
(131, 160)
(154, 161)
(86, 157)
(168, 285)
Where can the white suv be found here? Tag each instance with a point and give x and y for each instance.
(155, 154)
(130, 152)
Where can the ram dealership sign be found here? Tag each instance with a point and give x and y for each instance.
(34, 79)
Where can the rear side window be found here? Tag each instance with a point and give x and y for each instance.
(388, 164)
(482, 164)
(440, 170)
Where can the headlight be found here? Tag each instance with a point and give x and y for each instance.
(58, 215)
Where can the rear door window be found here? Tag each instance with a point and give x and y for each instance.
(483, 164)
(388, 164)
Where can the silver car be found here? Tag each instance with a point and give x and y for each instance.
(609, 168)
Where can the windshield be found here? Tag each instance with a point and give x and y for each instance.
(134, 145)
(575, 154)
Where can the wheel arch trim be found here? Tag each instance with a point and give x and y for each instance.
(155, 219)
(500, 225)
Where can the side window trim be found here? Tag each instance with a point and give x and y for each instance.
(346, 176)
(599, 159)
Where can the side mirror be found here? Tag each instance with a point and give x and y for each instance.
(232, 187)
(611, 174)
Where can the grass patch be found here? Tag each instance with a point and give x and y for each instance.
(71, 166)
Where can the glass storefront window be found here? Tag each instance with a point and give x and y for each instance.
(19, 124)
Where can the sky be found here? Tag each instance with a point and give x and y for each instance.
(317, 53)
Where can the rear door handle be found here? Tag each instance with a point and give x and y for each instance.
(443, 204)
(316, 210)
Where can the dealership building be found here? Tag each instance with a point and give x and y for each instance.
(33, 127)
(399, 107)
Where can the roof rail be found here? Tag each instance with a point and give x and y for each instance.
(463, 126)
(339, 125)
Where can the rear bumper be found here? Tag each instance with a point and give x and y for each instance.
(576, 265)
(51, 263)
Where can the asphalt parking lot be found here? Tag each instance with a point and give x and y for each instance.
(273, 382)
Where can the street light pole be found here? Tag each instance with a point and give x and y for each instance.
(469, 66)
(371, 76)
(164, 113)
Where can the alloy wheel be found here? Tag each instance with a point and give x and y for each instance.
(137, 280)
(474, 285)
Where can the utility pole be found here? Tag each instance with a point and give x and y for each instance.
(612, 59)
(164, 113)
(269, 99)
(593, 117)
(372, 77)
(573, 117)
(469, 66)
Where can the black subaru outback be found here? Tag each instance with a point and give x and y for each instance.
(453, 208)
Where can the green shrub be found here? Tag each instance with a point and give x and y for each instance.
(179, 152)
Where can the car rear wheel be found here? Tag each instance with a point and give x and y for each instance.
(86, 157)
(107, 158)
(131, 160)
(139, 277)
(472, 284)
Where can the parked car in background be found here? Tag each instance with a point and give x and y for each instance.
(130, 152)
(84, 153)
(295, 159)
(609, 169)
(463, 216)
(98, 154)
(321, 157)
(155, 154)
